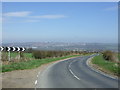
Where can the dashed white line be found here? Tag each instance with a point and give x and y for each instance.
(72, 71)
(74, 74)
(76, 77)
(69, 65)
(35, 82)
(37, 77)
(69, 70)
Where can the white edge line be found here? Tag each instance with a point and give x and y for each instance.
(100, 72)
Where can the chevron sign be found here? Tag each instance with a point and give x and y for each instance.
(12, 49)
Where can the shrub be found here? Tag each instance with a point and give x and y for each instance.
(47, 54)
(108, 55)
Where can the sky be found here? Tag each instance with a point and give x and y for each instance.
(93, 22)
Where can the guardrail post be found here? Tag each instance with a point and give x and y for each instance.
(8, 55)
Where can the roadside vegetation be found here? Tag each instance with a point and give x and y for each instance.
(31, 63)
(33, 58)
(108, 61)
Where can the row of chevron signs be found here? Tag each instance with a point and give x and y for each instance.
(12, 49)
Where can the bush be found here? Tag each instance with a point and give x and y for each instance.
(37, 54)
(108, 55)
(47, 54)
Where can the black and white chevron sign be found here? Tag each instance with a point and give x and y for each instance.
(12, 49)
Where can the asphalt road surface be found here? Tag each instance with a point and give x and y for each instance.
(73, 73)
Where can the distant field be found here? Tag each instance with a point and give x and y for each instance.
(107, 65)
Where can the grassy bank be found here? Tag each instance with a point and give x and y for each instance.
(106, 65)
(31, 63)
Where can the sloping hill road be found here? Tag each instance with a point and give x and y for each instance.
(73, 73)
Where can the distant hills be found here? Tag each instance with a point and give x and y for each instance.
(65, 46)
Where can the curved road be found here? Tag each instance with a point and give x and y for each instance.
(73, 73)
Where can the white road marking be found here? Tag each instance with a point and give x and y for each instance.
(36, 82)
(58, 62)
(77, 77)
(37, 78)
(74, 74)
(72, 71)
(69, 65)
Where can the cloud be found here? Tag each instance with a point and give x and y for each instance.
(49, 16)
(25, 16)
(32, 20)
(111, 8)
(17, 14)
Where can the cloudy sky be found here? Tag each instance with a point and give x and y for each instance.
(64, 22)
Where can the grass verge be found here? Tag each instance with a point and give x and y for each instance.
(107, 65)
(31, 64)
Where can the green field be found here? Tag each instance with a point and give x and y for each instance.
(31, 63)
(107, 65)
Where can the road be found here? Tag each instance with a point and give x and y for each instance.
(73, 73)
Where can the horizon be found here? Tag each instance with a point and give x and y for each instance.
(90, 22)
(60, 42)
